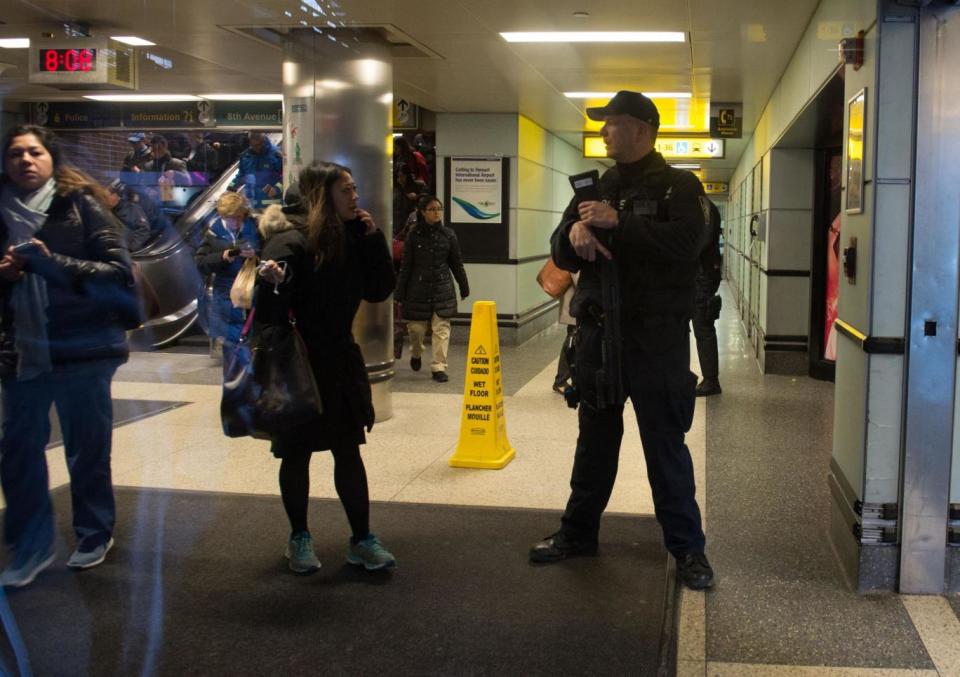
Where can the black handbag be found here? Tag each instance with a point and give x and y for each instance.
(269, 386)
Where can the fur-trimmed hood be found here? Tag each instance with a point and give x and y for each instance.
(273, 221)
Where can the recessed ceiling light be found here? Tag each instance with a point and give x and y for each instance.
(243, 97)
(596, 36)
(610, 95)
(142, 97)
(132, 40)
(14, 43)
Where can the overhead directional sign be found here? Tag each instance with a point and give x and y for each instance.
(687, 147)
(715, 187)
(675, 147)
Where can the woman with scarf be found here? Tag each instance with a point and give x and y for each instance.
(321, 272)
(66, 282)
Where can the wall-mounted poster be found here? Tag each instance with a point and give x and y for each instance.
(476, 190)
(856, 130)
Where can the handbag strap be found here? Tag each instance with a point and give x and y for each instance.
(248, 323)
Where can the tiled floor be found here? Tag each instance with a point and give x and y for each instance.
(780, 606)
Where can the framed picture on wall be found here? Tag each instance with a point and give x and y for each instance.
(856, 138)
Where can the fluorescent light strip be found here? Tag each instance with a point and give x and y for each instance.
(132, 40)
(610, 95)
(596, 36)
(142, 98)
(15, 43)
(243, 97)
(685, 166)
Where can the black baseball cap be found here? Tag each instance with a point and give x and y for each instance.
(633, 104)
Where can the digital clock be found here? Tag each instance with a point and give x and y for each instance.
(83, 63)
(83, 60)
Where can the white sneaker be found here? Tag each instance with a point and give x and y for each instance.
(85, 560)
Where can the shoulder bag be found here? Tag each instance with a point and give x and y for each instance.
(553, 280)
(268, 387)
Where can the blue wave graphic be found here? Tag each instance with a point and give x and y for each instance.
(474, 211)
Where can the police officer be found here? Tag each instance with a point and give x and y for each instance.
(651, 223)
(708, 307)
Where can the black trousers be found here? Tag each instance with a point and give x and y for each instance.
(706, 311)
(661, 387)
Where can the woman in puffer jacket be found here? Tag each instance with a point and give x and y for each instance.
(431, 260)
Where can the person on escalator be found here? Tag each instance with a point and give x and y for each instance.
(231, 239)
(164, 170)
(260, 172)
(129, 214)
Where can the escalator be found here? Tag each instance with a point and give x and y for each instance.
(167, 264)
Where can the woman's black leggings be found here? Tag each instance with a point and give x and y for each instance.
(349, 477)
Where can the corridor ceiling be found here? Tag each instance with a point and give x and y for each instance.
(735, 50)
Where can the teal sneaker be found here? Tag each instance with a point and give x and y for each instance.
(303, 560)
(25, 567)
(370, 554)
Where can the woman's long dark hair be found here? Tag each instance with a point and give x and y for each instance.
(67, 177)
(325, 230)
(422, 204)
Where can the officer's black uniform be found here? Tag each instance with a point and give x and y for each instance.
(707, 304)
(655, 246)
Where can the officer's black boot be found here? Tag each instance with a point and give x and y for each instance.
(695, 571)
(709, 364)
(557, 547)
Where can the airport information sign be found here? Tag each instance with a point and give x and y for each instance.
(672, 147)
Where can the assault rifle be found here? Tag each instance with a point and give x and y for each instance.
(610, 391)
(610, 376)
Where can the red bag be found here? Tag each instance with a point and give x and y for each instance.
(553, 280)
(397, 251)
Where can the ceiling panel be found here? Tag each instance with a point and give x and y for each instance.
(737, 50)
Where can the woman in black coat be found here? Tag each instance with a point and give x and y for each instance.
(66, 294)
(431, 259)
(322, 272)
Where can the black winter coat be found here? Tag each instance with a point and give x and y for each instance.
(656, 244)
(324, 299)
(89, 279)
(425, 285)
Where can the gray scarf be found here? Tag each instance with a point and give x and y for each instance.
(24, 215)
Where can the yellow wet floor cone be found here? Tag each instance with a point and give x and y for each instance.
(483, 426)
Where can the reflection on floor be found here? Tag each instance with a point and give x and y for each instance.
(462, 600)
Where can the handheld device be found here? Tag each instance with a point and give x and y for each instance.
(26, 249)
(233, 251)
(586, 186)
